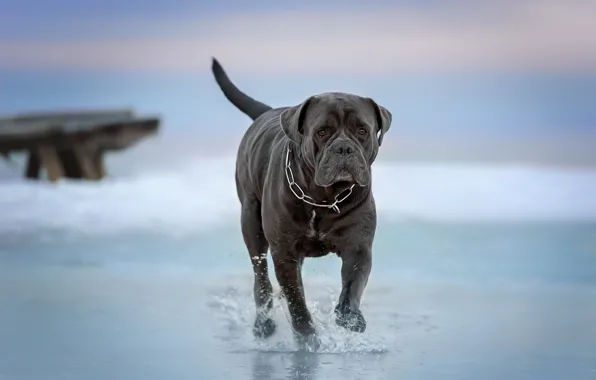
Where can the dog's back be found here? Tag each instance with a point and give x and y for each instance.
(264, 134)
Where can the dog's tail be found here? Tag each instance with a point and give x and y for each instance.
(253, 108)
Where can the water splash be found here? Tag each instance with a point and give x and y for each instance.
(235, 310)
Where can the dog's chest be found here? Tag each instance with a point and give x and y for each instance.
(316, 242)
(312, 229)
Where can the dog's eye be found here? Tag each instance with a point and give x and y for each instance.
(362, 131)
(322, 132)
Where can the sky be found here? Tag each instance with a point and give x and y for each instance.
(302, 37)
(455, 74)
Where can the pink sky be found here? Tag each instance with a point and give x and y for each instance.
(523, 35)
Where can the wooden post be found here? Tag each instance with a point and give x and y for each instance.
(98, 163)
(51, 162)
(70, 163)
(85, 158)
(33, 165)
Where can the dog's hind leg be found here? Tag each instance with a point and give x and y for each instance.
(257, 245)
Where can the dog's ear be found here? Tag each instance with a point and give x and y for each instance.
(383, 120)
(292, 120)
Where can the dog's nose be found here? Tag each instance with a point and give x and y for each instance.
(343, 149)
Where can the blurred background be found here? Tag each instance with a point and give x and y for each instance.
(467, 81)
(483, 84)
(487, 175)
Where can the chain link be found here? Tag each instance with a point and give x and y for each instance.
(299, 193)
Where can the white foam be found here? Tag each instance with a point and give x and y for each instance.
(202, 194)
(234, 307)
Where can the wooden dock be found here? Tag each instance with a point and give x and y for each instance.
(72, 144)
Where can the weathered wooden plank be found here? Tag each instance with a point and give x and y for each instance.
(25, 128)
(72, 144)
(122, 136)
(61, 116)
(110, 134)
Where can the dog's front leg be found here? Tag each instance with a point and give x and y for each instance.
(288, 270)
(355, 269)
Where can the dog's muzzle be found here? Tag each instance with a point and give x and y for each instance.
(342, 161)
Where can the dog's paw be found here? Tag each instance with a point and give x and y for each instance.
(264, 327)
(308, 343)
(350, 319)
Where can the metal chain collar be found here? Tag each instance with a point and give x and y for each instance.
(299, 193)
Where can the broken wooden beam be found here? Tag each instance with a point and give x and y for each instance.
(72, 144)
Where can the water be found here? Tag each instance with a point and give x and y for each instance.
(479, 273)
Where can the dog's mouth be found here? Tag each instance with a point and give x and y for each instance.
(332, 171)
(343, 177)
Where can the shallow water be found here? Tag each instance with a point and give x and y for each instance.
(478, 273)
(455, 301)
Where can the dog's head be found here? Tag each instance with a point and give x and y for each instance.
(339, 135)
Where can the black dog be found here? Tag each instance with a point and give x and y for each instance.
(303, 178)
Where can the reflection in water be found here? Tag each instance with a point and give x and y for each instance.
(262, 369)
(268, 365)
(304, 366)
